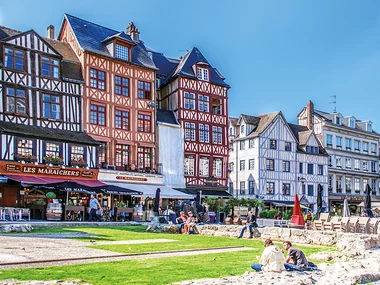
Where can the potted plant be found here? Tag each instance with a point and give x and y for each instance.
(52, 159)
(25, 157)
(50, 196)
(78, 161)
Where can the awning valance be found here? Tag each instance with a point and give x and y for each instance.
(207, 193)
(119, 189)
(149, 190)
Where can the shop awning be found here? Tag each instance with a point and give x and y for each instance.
(207, 193)
(120, 189)
(374, 205)
(280, 203)
(149, 190)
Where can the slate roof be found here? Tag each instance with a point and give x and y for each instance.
(7, 32)
(171, 68)
(302, 134)
(91, 38)
(46, 133)
(233, 121)
(265, 121)
(71, 69)
(251, 120)
(165, 116)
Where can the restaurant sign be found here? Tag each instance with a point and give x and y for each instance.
(132, 178)
(57, 171)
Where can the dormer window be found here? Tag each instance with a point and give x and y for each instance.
(122, 52)
(49, 67)
(242, 129)
(369, 127)
(352, 123)
(338, 120)
(202, 74)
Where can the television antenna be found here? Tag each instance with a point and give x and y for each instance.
(333, 102)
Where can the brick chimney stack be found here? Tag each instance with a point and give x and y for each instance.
(309, 114)
(50, 32)
(133, 32)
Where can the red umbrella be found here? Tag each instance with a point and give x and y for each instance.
(297, 217)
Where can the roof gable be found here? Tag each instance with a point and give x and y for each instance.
(91, 36)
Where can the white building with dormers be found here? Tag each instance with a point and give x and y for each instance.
(353, 148)
(273, 160)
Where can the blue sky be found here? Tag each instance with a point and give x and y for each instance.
(276, 55)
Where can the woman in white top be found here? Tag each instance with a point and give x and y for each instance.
(272, 259)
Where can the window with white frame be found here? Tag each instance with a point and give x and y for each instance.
(338, 142)
(320, 169)
(288, 146)
(204, 166)
(122, 155)
(348, 144)
(365, 146)
(242, 165)
(373, 148)
(242, 187)
(251, 187)
(373, 166)
(189, 101)
(357, 145)
(286, 189)
(204, 133)
(270, 188)
(251, 143)
(348, 163)
(310, 190)
(369, 127)
(52, 149)
(189, 131)
(272, 144)
(338, 120)
(189, 165)
(251, 163)
(339, 161)
(202, 74)
(329, 140)
(338, 184)
(357, 164)
(286, 166)
(365, 165)
(348, 184)
(203, 103)
(310, 168)
(122, 52)
(217, 167)
(217, 135)
(77, 153)
(270, 164)
(357, 185)
(242, 129)
(242, 145)
(352, 123)
(25, 148)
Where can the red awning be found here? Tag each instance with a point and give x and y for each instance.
(36, 180)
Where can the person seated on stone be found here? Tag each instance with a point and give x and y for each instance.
(278, 216)
(295, 259)
(180, 221)
(190, 223)
(272, 259)
(251, 223)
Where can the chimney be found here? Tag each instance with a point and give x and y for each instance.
(50, 32)
(133, 32)
(309, 114)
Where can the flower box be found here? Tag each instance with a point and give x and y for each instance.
(78, 163)
(25, 157)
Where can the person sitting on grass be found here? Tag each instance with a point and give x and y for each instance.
(272, 259)
(190, 223)
(180, 221)
(251, 223)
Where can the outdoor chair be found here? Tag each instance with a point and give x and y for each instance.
(333, 224)
(237, 221)
(352, 226)
(243, 220)
(228, 221)
(318, 224)
(344, 224)
(372, 225)
(25, 214)
(363, 225)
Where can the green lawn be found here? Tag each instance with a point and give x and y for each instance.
(153, 270)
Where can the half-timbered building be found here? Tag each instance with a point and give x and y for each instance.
(40, 112)
(119, 93)
(198, 94)
(273, 160)
(353, 148)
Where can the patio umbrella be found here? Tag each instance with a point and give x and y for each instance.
(157, 201)
(319, 200)
(367, 201)
(346, 209)
(297, 217)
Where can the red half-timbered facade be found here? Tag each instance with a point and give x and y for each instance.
(198, 95)
(119, 92)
